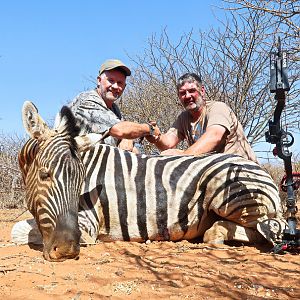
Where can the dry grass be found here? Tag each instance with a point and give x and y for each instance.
(12, 193)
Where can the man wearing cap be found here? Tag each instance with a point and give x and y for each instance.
(97, 111)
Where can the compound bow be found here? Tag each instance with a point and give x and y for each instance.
(283, 140)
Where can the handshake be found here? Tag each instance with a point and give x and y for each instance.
(154, 133)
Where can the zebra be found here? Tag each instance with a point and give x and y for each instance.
(76, 185)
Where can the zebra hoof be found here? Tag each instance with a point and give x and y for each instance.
(26, 232)
(214, 242)
(216, 235)
(272, 229)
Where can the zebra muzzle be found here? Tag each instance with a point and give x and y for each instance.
(64, 242)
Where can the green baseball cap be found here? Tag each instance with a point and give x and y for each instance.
(111, 64)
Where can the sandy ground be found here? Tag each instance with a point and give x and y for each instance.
(160, 270)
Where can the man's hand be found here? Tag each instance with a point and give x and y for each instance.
(156, 135)
(172, 152)
(126, 145)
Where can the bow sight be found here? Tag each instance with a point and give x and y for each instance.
(282, 139)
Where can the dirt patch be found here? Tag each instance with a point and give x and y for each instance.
(159, 270)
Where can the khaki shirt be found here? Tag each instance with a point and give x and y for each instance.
(216, 113)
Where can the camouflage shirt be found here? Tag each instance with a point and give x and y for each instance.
(94, 116)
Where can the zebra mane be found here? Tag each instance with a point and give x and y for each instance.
(66, 122)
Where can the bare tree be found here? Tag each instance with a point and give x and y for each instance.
(284, 22)
(284, 16)
(12, 192)
(234, 63)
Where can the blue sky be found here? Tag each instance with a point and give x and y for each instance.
(50, 50)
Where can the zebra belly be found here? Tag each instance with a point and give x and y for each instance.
(152, 226)
(173, 233)
(111, 218)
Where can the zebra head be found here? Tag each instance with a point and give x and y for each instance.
(53, 174)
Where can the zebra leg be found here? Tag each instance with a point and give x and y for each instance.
(89, 231)
(26, 232)
(224, 230)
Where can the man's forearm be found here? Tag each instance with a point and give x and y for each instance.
(129, 130)
(164, 141)
(208, 142)
(159, 142)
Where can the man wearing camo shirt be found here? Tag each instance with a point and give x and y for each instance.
(97, 111)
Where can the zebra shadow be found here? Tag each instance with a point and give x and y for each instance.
(242, 213)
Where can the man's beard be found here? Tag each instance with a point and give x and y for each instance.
(108, 95)
(199, 103)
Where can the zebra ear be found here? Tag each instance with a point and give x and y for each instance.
(32, 121)
(87, 142)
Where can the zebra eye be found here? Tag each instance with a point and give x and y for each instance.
(44, 175)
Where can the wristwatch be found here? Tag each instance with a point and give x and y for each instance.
(151, 129)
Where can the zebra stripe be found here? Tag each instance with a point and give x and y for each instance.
(168, 198)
